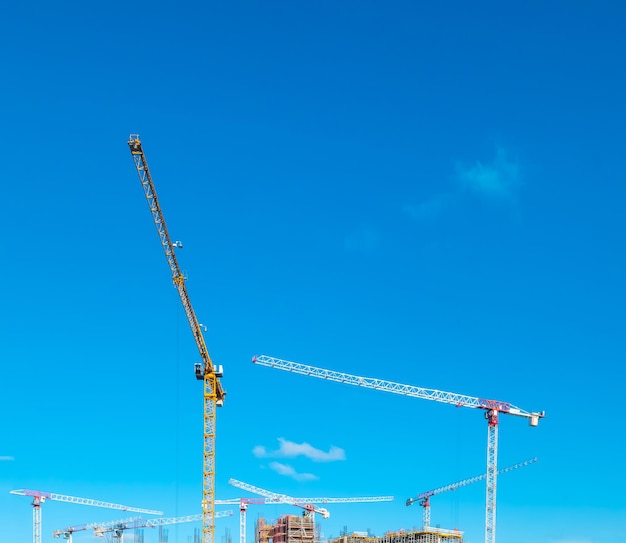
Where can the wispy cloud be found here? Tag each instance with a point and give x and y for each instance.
(6, 458)
(363, 240)
(289, 471)
(498, 179)
(290, 449)
(429, 209)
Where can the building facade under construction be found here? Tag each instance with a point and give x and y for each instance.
(302, 529)
(425, 535)
(287, 529)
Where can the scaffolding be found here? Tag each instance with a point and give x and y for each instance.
(262, 531)
(287, 529)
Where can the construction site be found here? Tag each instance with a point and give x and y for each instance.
(302, 529)
(288, 528)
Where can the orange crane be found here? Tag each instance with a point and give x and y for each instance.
(205, 371)
(39, 497)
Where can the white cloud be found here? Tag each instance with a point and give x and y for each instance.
(498, 179)
(288, 471)
(290, 449)
(6, 458)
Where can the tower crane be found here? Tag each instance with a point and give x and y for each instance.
(272, 498)
(243, 507)
(424, 498)
(67, 532)
(280, 498)
(491, 409)
(118, 529)
(205, 371)
(39, 497)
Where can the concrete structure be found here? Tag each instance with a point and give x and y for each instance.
(426, 535)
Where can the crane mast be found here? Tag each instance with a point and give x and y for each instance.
(491, 408)
(206, 371)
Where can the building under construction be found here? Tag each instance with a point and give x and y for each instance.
(425, 535)
(288, 529)
(302, 529)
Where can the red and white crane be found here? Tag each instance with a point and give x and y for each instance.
(39, 496)
(424, 497)
(491, 409)
(273, 498)
(243, 507)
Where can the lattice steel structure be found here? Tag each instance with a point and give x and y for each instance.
(207, 371)
(39, 497)
(424, 497)
(491, 408)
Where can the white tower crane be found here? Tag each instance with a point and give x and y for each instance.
(491, 408)
(40, 496)
(274, 497)
(117, 530)
(67, 532)
(243, 507)
(271, 498)
(424, 498)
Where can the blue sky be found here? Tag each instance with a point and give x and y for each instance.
(428, 194)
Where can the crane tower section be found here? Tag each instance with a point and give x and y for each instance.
(206, 371)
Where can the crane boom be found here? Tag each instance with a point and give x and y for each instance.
(39, 497)
(67, 532)
(459, 400)
(424, 497)
(465, 482)
(244, 502)
(53, 496)
(491, 408)
(361, 499)
(207, 371)
(279, 498)
(119, 529)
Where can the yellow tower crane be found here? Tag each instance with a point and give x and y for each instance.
(206, 371)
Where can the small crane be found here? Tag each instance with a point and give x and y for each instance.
(424, 498)
(67, 532)
(243, 507)
(117, 530)
(272, 498)
(39, 496)
(207, 371)
(491, 409)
